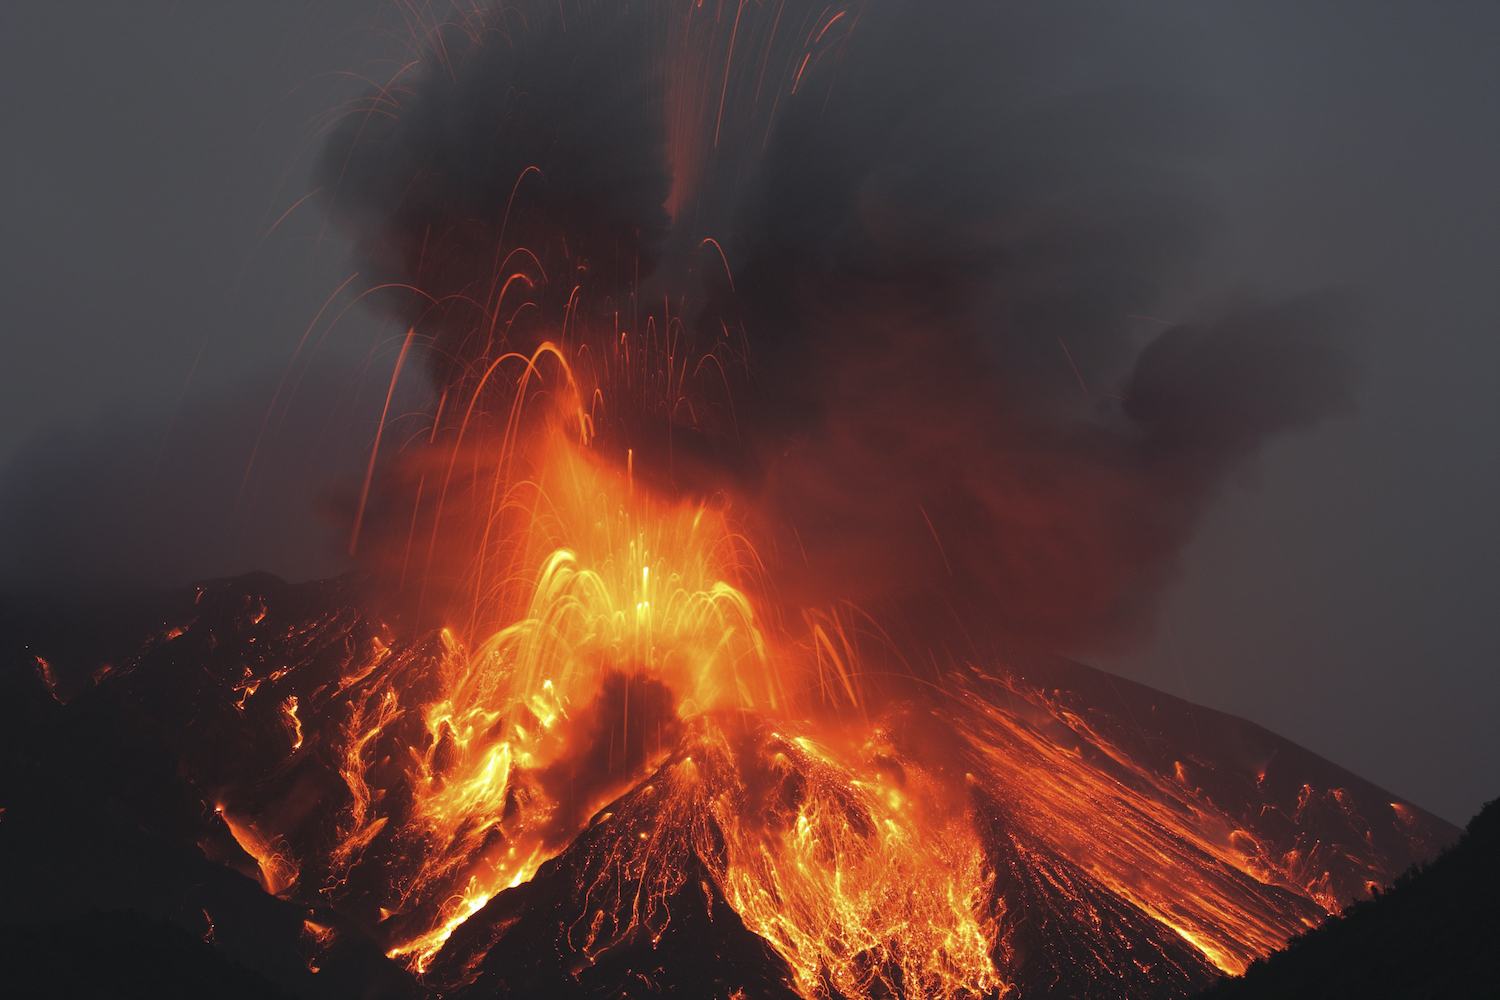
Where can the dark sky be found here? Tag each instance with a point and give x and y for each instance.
(1345, 593)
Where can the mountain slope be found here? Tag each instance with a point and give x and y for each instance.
(251, 754)
(1435, 935)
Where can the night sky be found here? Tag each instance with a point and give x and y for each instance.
(1344, 592)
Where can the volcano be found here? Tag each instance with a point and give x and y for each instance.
(251, 758)
(779, 438)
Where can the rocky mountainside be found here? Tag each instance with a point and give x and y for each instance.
(246, 759)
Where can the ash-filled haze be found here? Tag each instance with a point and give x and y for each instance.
(1169, 335)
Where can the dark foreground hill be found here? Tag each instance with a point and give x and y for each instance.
(1435, 935)
(120, 956)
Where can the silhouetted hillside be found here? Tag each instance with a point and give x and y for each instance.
(1435, 934)
(120, 956)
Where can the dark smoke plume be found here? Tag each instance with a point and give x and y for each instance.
(543, 137)
(946, 230)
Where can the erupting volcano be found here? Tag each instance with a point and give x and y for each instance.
(713, 628)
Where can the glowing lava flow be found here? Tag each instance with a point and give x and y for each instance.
(629, 590)
(277, 870)
(1168, 852)
(864, 880)
(639, 741)
(636, 710)
(857, 876)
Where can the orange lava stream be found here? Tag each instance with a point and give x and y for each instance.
(278, 870)
(643, 596)
(1165, 850)
(864, 883)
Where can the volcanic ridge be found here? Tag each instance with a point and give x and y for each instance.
(1112, 841)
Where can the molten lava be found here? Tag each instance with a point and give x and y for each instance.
(637, 642)
(643, 722)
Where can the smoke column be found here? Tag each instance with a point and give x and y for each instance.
(923, 262)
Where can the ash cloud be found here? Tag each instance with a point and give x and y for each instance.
(949, 261)
(946, 254)
(543, 133)
(139, 499)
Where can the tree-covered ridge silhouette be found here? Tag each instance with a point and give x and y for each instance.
(1434, 934)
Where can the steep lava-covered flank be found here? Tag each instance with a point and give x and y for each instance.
(1037, 827)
